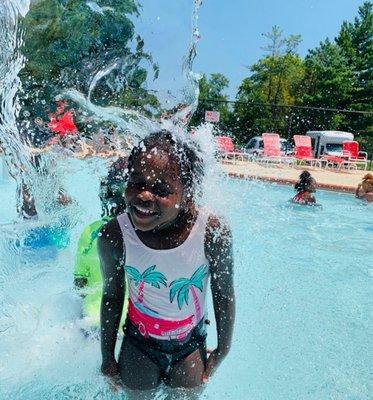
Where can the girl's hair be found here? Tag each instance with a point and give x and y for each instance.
(367, 183)
(368, 177)
(112, 189)
(185, 153)
(305, 181)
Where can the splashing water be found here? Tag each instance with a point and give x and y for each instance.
(39, 311)
(11, 62)
(302, 278)
(172, 111)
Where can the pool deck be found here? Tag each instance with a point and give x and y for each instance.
(340, 181)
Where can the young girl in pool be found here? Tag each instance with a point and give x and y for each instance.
(166, 248)
(364, 190)
(305, 188)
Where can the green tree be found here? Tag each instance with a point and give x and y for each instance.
(66, 42)
(275, 80)
(212, 88)
(327, 83)
(339, 74)
(355, 40)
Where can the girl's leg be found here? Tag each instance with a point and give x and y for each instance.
(137, 371)
(188, 372)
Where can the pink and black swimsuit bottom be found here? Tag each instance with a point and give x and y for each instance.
(166, 353)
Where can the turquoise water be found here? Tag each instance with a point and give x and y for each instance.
(304, 300)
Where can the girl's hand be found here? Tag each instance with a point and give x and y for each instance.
(213, 361)
(111, 372)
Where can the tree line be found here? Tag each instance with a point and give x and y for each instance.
(282, 93)
(288, 94)
(66, 43)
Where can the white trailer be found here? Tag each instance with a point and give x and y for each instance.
(328, 142)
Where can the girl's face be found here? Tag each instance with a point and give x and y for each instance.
(154, 193)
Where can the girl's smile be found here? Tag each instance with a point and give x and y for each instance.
(154, 191)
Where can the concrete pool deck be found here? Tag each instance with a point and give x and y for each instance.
(341, 181)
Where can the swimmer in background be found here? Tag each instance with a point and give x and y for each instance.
(168, 248)
(87, 274)
(27, 208)
(305, 187)
(364, 191)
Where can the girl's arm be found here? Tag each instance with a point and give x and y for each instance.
(220, 255)
(357, 191)
(311, 199)
(110, 249)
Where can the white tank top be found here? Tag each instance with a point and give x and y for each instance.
(167, 288)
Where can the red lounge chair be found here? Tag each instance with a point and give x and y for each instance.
(351, 151)
(227, 150)
(271, 142)
(272, 150)
(225, 144)
(303, 151)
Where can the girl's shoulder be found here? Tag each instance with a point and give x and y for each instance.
(215, 221)
(218, 241)
(111, 226)
(217, 229)
(110, 236)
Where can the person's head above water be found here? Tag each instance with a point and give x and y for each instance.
(112, 189)
(305, 183)
(367, 183)
(164, 176)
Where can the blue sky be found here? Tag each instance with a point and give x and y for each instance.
(231, 32)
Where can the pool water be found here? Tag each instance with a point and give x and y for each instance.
(303, 281)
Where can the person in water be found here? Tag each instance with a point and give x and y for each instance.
(167, 248)
(87, 274)
(305, 187)
(364, 191)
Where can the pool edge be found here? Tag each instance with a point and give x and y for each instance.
(291, 182)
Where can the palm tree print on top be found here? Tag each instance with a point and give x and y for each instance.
(150, 277)
(182, 286)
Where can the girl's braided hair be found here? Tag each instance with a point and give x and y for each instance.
(305, 180)
(185, 153)
(111, 189)
(367, 183)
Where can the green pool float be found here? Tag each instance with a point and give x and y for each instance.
(87, 266)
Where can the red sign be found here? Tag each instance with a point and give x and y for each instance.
(212, 116)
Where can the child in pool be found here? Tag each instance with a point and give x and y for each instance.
(305, 188)
(111, 195)
(364, 191)
(87, 274)
(167, 248)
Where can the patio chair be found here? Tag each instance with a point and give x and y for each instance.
(271, 142)
(271, 149)
(353, 156)
(303, 151)
(227, 150)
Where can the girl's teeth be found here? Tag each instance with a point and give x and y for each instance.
(143, 210)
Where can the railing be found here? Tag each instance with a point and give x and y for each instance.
(326, 162)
